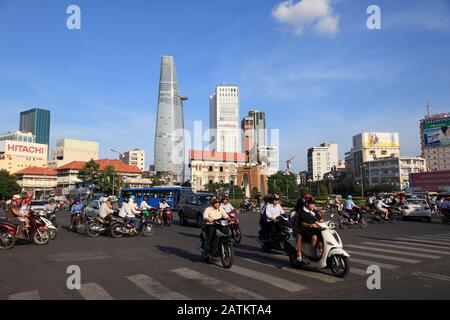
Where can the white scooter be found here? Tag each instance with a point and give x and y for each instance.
(333, 257)
(52, 229)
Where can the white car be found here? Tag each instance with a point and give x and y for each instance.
(416, 209)
(93, 208)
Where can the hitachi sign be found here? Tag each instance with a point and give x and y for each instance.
(23, 149)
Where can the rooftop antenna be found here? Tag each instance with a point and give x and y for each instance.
(429, 108)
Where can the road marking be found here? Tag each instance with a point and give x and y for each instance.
(370, 263)
(419, 255)
(414, 243)
(359, 272)
(274, 281)
(78, 256)
(309, 274)
(217, 285)
(426, 241)
(444, 241)
(155, 289)
(407, 248)
(432, 275)
(374, 255)
(29, 295)
(93, 291)
(437, 236)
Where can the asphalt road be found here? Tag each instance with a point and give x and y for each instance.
(414, 258)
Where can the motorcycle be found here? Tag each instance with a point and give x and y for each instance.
(97, 226)
(37, 232)
(234, 226)
(167, 216)
(280, 240)
(119, 228)
(333, 256)
(77, 221)
(224, 245)
(378, 216)
(49, 220)
(248, 207)
(445, 216)
(346, 219)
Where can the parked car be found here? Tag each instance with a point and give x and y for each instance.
(417, 209)
(192, 205)
(38, 205)
(93, 208)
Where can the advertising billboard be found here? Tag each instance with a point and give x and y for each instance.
(437, 132)
(381, 139)
(23, 149)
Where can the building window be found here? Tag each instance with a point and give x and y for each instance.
(210, 168)
(221, 169)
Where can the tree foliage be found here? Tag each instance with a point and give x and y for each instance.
(8, 185)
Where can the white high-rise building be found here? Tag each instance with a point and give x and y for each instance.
(321, 160)
(224, 119)
(134, 158)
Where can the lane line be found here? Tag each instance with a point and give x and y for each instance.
(217, 285)
(370, 263)
(447, 241)
(418, 255)
(28, 296)
(93, 291)
(155, 289)
(380, 256)
(407, 248)
(359, 272)
(426, 241)
(437, 236)
(414, 243)
(433, 276)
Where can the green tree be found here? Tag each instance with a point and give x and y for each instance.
(283, 184)
(106, 179)
(8, 185)
(90, 174)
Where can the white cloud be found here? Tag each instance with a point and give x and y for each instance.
(306, 15)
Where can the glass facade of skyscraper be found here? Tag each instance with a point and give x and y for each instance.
(169, 140)
(36, 121)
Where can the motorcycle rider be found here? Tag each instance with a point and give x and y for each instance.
(163, 205)
(76, 208)
(263, 217)
(145, 207)
(226, 205)
(273, 212)
(211, 214)
(105, 210)
(51, 206)
(133, 210)
(349, 208)
(13, 215)
(307, 223)
(382, 207)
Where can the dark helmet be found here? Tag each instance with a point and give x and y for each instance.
(310, 201)
(266, 198)
(274, 197)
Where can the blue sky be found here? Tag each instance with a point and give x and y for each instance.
(319, 75)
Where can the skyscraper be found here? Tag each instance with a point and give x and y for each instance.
(169, 140)
(435, 141)
(224, 119)
(36, 121)
(255, 133)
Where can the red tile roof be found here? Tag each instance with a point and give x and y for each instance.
(217, 156)
(37, 171)
(118, 165)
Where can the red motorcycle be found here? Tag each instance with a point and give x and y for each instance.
(234, 226)
(37, 232)
(167, 216)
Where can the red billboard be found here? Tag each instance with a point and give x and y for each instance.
(430, 181)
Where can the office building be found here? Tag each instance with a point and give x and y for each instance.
(224, 119)
(435, 141)
(69, 150)
(37, 181)
(169, 140)
(322, 159)
(36, 121)
(254, 134)
(134, 158)
(269, 157)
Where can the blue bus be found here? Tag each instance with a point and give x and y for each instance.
(155, 195)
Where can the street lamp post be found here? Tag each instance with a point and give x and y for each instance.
(318, 184)
(362, 180)
(114, 174)
(309, 184)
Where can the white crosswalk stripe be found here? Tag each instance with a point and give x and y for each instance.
(412, 254)
(308, 274)
(432, 275)
(437, 236)
(413, 244)
(217, 285)
(395, 246)
(424, 241)
(263, 277)
(155, 289)
(444, 241)
(29, 295)
(359, 272)
(376, 263)
(93, 291)
(380, 256)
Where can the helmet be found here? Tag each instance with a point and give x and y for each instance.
(52, 200)
(132, 198)
(16, 197)
(307, 196)
(275, 197)
(266, 198)
(349, 197)
(214, 200)
(310, 201)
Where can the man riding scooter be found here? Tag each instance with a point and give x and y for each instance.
(211, 214)
(13, 215)
(273, 212)
(351, 209)
(307, 224)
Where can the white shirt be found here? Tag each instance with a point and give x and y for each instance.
(163, 205)
(381, 204)
(145, 206)
(124, 210)
(273, 212)
(227, 207)
(105, 211)
(134, 209)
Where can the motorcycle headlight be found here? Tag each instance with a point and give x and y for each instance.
(224, 223)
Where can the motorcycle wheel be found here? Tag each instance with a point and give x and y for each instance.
(7, 240)
(147, 230)
(114, 230)
(362, 224)
(227, 256)
(237, 236)
(92, 232)
(342, 223)
(53, 233)
(40, 238)
(339, 265)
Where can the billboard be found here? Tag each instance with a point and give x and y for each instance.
(381, 139)
(23, 149)
(437, 132)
